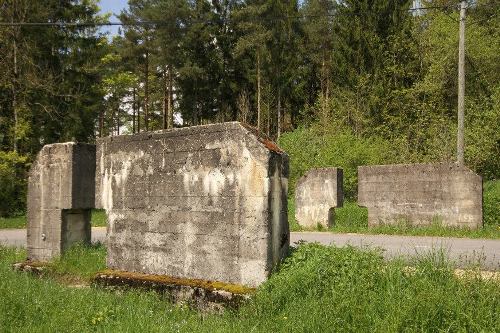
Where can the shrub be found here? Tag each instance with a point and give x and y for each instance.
(317, 147)
(13, 176)
(491, 203)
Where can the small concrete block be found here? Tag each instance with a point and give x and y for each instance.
(317, 193)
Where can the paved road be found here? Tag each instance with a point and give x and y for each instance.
(461, 250)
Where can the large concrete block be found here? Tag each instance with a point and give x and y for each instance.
(61, 188)
(421, 194)
(317, 193)
(206, 202)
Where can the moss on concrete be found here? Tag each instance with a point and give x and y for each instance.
(169, 280)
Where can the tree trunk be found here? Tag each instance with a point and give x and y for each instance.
(170, 114)
(196, 115)
(111, 127)
(118, 120)
(258, 90)
(279, 113)
(14, 90)
(138, 116)
(327, 92)
(101, 123)
(133, 111)
(146, 94)
(165, 98)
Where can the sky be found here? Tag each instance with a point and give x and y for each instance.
(112, 6)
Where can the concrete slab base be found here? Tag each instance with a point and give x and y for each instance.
(202, 295)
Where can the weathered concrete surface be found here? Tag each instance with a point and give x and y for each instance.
(317, 193)
(206, 202)
(61, 188)
(421, 193)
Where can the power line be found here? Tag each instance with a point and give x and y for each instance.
(163, 22)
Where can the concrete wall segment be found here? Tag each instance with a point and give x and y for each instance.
(421, 194)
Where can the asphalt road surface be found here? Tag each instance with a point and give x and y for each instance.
(462, 251)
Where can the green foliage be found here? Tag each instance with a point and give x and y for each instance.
(324, 146)
(13, 175)
(351, 218)
(49, 88)
(491, 204)
(317, 289)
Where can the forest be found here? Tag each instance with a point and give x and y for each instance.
(342, 83)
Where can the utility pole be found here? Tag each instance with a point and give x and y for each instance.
(461, 85)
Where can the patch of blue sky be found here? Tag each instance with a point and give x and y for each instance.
(113, 7)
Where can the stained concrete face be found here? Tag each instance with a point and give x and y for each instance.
(206, 202)
(317, 193)
(60, 195)
(421, 194)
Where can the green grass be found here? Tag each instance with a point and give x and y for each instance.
(15, 222)
(19, 222)
(99, 218)
(317, 289)
(81, 261)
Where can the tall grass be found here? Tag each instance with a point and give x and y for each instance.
(317, 289)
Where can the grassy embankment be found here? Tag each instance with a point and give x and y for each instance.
(354, 219)
(317, 289)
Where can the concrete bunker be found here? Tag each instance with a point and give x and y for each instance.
(205, 202)
(421, 194)
(61, 188)
(317, 194)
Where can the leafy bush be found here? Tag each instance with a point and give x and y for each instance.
(491, 203)
(13, 177)
(317, 147)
